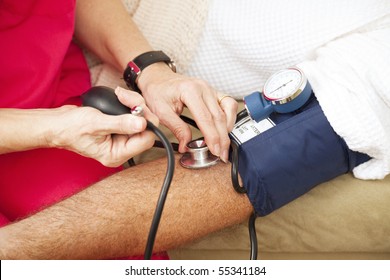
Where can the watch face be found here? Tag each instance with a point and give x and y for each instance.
(283, 85)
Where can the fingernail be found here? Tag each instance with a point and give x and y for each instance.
(225, 156)
(119, 90)
(138, 124)
(217, 150)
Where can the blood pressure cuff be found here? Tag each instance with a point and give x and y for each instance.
(286, 161)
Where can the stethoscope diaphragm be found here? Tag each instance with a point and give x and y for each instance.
(198, 156)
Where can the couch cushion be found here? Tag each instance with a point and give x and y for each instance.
(344, 215)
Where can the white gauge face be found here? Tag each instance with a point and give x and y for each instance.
(283, 84)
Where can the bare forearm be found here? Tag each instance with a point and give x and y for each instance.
(105, 28)
(24, 129)
(112, 218)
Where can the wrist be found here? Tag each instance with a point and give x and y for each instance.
(49, 124)
(147, 64)
(42, 123)
(57, 131)
(151, 74)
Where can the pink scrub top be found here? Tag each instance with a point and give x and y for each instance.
(40, 67)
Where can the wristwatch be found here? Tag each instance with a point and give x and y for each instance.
(284, 92)
(134, 68)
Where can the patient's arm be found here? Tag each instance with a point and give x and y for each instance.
(112, 218)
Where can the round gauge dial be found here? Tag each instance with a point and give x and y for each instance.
(284, 85)
(284, 92)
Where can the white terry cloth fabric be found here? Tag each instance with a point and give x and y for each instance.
(351, 79)
(342, 45)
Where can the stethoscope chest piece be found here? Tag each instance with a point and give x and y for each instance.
(198, 156)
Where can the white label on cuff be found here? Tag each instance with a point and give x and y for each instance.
(247, 128)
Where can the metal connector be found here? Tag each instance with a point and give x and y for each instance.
(137, 111)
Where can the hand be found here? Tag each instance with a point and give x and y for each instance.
(166, 94)
(111, 140)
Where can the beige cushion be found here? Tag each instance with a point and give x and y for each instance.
(344, 216)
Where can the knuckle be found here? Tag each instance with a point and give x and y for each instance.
(110, 161)
(187, 86)
(192, 86)
(160, 112)
(122, 125)
(138, 99)
(233, 104)
(213, 138)
(206, 117)
(201, 83)
(178, 131)
(225, 141)
(105, 161)
(155, 121)
(150, 142)
(219, 116)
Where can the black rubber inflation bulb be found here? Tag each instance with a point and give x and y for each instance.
(105, 100)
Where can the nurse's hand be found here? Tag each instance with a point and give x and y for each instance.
(111, 140)
(166, 93)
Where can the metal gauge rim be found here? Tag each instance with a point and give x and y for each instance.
(295, 93)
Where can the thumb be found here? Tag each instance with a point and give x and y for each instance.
(122, 124)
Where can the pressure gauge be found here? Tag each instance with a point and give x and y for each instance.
(284, 92)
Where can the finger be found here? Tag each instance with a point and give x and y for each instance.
(132, 99)
(116, 155)
(140, 142)
(124, 147)
(220, 121)
(205, 120)
(122, 124)
(179, 128)
(128, 97)
(147, 114)
(230, 106)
